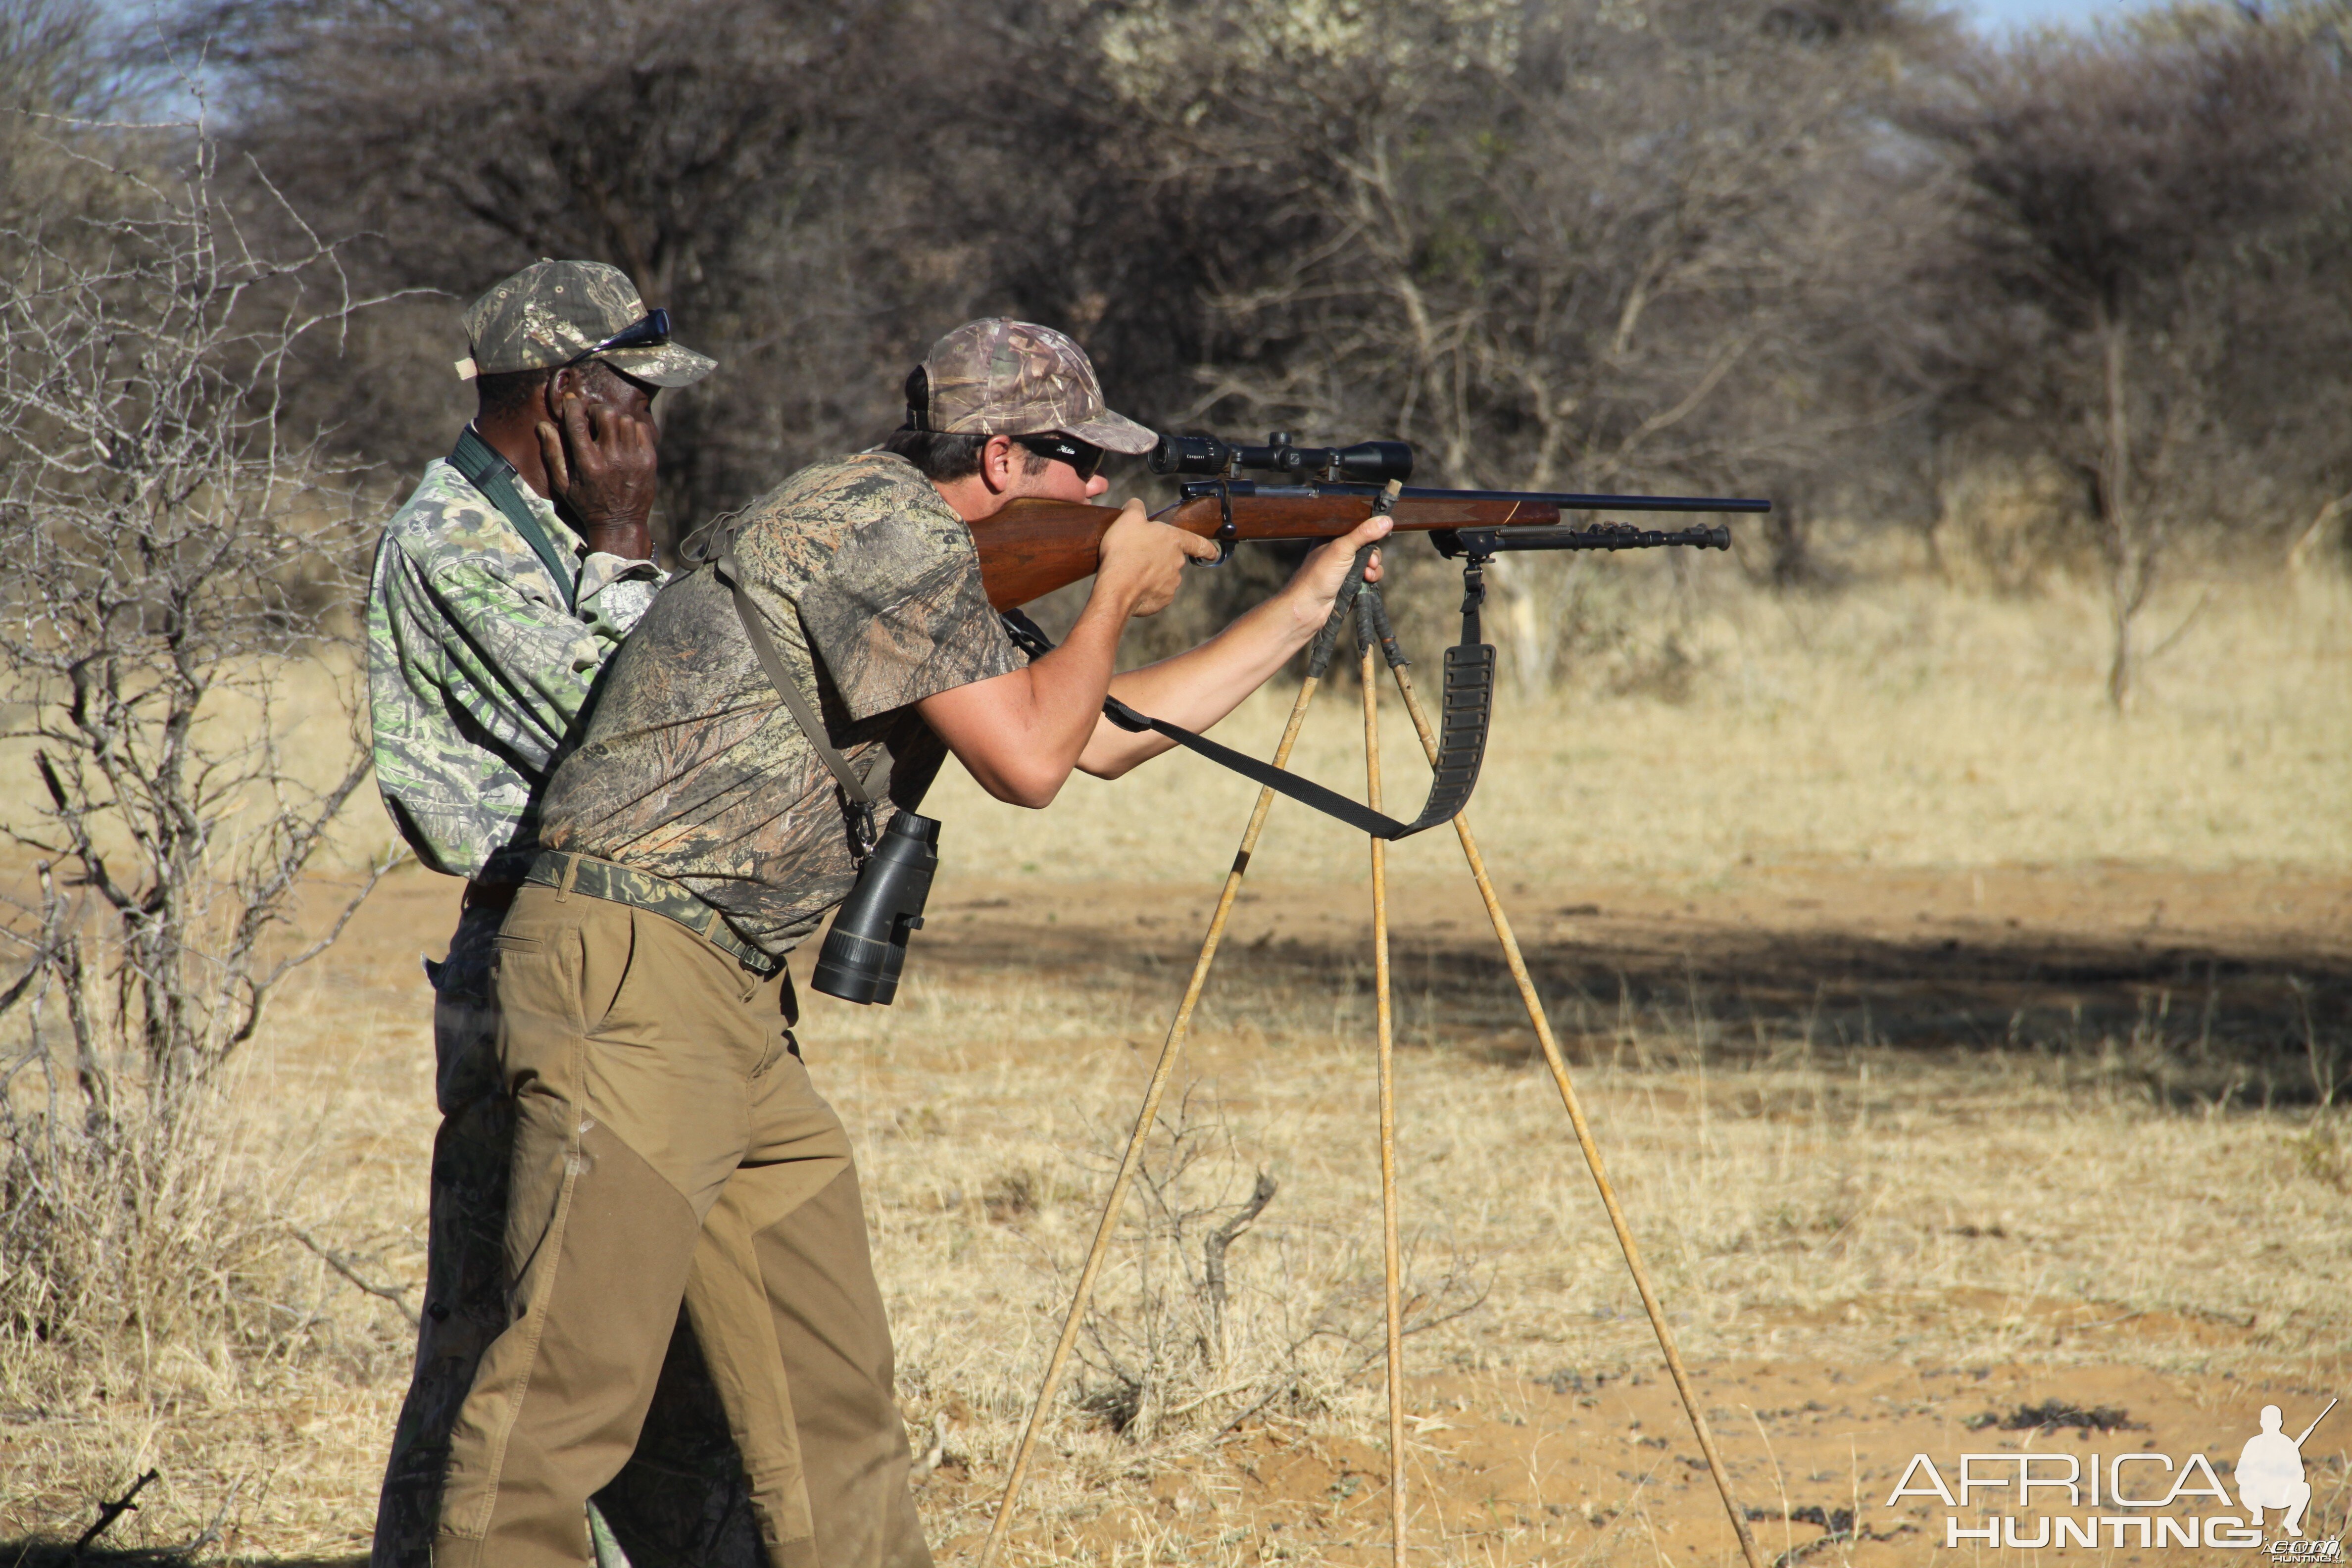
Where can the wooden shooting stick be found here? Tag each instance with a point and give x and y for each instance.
(1559, 1066)
(1373, 620)
(1391, 1257)
(1146, 1117)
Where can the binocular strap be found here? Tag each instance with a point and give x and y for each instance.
(491, 474)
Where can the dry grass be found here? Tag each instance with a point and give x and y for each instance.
(1854, 1209)
(1900, 724)
(213, 1340)
(1820, 1209)
(1805, 1202)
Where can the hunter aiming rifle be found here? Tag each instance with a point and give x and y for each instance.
(1032, 547)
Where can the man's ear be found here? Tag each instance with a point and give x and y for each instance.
(996, 464)
(560, 381)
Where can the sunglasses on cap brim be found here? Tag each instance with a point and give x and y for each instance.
(650, 330)
(1084, 459)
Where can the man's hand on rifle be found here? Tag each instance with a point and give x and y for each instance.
(1317, 584)
(1142, 561)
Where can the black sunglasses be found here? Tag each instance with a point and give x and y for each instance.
(649, 332)
(1084, 459)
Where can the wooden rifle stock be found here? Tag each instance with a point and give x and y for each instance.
(1034, 546)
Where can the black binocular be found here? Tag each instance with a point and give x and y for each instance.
(868, 944)
(1365, 463)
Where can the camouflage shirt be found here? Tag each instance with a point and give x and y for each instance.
(692, 768)
(477, 673)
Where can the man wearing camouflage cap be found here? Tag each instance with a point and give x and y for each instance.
(696, 837)
(500, 588)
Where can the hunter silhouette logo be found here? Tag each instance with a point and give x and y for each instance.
(2145, 1500)
(2270, 1471)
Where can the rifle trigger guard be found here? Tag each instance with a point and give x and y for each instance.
(1226, 535)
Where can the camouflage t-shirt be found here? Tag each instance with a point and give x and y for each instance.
(692, 767)
(477, 673)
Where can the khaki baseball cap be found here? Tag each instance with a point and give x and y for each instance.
(552, 312)
(1000, 377)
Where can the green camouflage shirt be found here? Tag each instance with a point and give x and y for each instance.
(692, 768)
(477, 673)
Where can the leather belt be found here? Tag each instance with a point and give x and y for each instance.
(621, 884)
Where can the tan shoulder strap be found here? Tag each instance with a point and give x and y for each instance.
(859, 797)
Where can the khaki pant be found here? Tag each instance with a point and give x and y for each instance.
(683, 1498)
(658, 1101)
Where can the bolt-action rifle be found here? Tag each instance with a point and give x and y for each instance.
(1033, 546)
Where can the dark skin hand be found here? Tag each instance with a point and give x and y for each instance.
(588, 444)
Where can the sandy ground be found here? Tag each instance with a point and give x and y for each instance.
(1598, 1461)
(1573, 1447)
(1601, 1462)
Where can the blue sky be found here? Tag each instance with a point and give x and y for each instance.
(2008, 16)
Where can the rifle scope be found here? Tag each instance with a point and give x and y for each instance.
(868, 944)
(1365, 463)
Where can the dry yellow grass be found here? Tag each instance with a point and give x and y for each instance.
(1805, 1204)
(1897, 724)
(1867, 1212)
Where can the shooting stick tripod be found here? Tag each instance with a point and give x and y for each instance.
(1371, 631)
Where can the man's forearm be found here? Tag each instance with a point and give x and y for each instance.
(1197, 688)
(1068, 685)
(1019, 734)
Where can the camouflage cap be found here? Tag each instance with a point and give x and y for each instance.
(1000, 377)
(551, 312)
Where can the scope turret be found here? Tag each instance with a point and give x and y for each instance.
(1365, 463)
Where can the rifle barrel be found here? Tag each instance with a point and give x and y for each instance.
(1484, 542)
(1559, 501)
(1569, 501)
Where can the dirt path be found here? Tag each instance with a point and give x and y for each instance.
(2005, 955)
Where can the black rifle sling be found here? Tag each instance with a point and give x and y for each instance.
(1307, 792)
(1466, 702)
(492, 475)
(858, 797)
(1468, 707)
